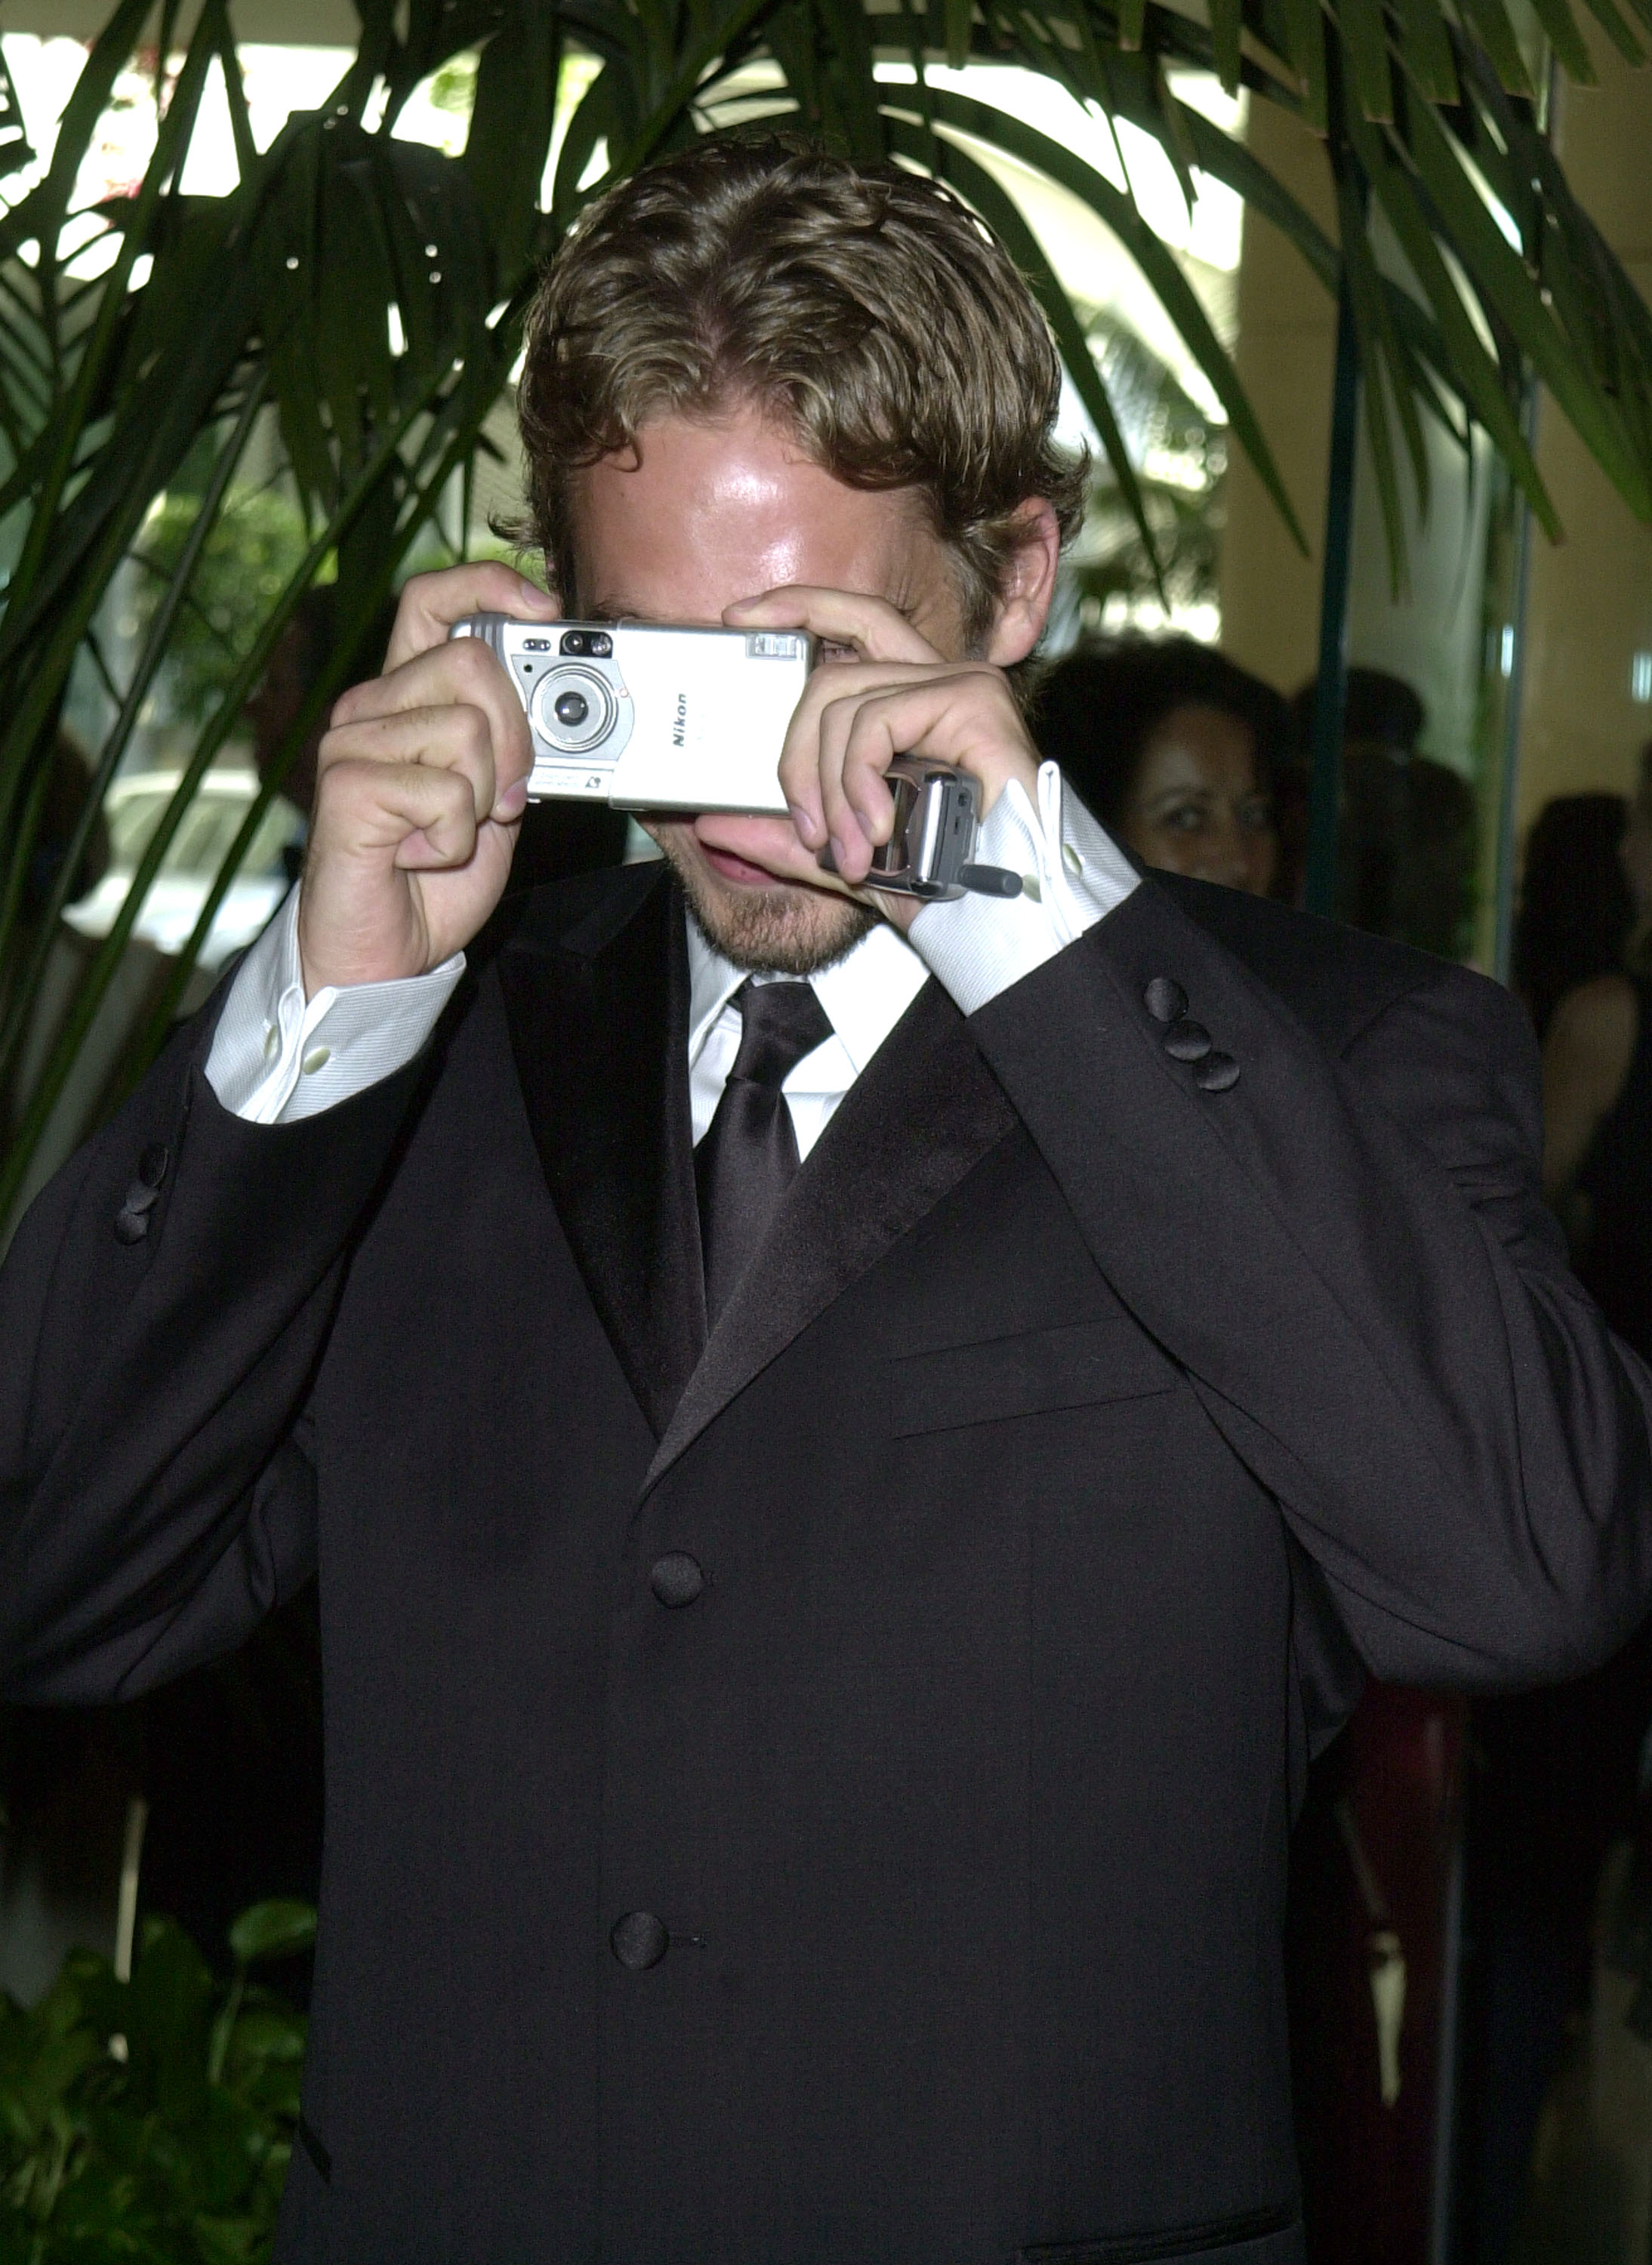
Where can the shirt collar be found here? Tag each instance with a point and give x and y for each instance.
(863, 995)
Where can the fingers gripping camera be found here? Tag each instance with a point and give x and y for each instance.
(649, 717)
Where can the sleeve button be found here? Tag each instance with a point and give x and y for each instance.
(1217, 1072)
(1187, 1042)
(131, 1220)
(153, 1162)
(1164, 999)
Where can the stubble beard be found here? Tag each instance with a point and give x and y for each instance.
(790, 929)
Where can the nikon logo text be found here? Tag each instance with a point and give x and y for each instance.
(680, 726)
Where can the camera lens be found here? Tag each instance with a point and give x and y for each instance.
(573, 709)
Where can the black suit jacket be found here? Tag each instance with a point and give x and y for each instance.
(1078, 1426)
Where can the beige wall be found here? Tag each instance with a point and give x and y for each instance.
(1285, 352)
(1589, 609)
(1590, 605)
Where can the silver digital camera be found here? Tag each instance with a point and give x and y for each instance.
(650, 719)
(646, 717)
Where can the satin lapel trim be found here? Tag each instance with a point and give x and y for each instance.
(598, 1021)
(924, 1113)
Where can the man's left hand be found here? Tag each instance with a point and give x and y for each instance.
(891, 694)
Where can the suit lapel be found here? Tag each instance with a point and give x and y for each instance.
(599, 1020)
(922, 1114)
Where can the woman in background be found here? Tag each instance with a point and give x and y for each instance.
(1559, 1769)
(1180, 753)
(1585, 913)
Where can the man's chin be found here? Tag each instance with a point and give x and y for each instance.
(760, 923)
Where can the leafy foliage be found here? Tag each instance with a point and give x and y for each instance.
(245, 564)
(151, 2120)
(1183, 458)
(367, 293)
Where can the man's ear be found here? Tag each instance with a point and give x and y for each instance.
(1023, 605)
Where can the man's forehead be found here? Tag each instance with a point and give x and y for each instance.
(739, 463)
(714, 510)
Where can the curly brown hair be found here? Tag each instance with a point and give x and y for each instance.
(866, 307)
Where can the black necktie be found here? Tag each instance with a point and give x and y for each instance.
(748, 1159)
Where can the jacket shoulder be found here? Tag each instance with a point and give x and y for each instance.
(1336, 980)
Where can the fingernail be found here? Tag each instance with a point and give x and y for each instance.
(808, 831)
(534, 593)
(838, 853)
(512, 802)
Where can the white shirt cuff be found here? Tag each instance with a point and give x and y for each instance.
(277, 1057)
(1072, 873)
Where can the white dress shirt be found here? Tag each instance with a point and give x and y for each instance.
(277, 1057)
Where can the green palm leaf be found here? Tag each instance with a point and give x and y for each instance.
(996, 129)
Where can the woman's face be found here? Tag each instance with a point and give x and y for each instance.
(1197, 807)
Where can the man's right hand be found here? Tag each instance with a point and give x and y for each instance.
(422, 780)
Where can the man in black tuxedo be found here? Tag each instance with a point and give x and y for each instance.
(851, 1459)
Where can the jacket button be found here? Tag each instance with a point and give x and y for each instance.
(676, 1578)
(640, 1941)
(1187, 1042)
(131, 1220)
(1164, 999)
(1217, 1072)
(152, 1164)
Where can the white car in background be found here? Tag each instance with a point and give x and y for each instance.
(134, 807)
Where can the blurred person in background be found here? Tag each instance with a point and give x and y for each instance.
(1585, 914)
(1405, 850)
(1178, 751)
(1558, 1782)
(1576, 907)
